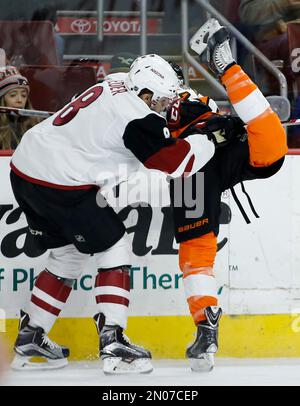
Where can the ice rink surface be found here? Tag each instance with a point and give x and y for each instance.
(228, 372)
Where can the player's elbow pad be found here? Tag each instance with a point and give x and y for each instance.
(201, 151)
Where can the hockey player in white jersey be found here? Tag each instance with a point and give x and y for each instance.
(58, 171)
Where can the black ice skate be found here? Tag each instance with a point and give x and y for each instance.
(213, 38)
(118, 355)
(201, 352)
(33, 342)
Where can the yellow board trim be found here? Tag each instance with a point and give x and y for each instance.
(256, 336)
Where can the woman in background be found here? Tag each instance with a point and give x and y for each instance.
(14, 92)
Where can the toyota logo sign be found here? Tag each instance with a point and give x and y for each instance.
(81, 26)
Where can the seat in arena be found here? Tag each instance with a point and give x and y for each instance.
(29, 42)
(51, 87)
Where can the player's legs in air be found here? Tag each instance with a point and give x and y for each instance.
(267, 145)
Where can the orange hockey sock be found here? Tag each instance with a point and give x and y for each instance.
(266, 135)
(196, 260)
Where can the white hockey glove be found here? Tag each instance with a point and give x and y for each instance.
(214, 39)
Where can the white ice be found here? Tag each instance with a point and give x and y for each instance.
(237, 372)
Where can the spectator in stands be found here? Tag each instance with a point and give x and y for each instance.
(14, 91)
(269, 16)
(265, 24)
(49, 14)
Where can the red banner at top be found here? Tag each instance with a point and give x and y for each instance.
(111, 25)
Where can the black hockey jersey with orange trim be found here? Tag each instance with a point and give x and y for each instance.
(229, 166)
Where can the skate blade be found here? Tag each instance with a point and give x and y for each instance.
(198, 42)
(115, 365)
(22, 363)
(205, 363)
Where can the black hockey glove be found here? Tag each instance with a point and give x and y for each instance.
(223, 130)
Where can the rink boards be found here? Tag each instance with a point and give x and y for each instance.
(257, 270)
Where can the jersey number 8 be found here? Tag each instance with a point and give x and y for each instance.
(71, 110)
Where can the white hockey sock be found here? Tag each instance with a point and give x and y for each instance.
(48, 298)
(112, 289)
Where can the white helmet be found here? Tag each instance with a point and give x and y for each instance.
(154, 73)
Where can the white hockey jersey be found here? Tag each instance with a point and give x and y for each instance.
(104, 129)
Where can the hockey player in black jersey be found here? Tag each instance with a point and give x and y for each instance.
(250, 146)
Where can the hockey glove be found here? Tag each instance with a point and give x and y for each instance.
(223, 130)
